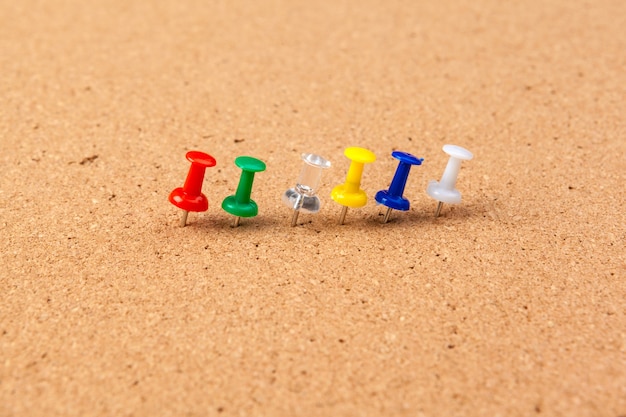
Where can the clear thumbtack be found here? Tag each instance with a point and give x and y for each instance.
(302, 197)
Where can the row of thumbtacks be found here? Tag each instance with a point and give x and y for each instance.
(302, 197)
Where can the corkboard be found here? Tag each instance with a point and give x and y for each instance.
(509, 304)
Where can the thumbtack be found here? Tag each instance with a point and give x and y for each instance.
(302, 197)
(189, 197)
(240, 204)
(349, 193)
(444, 191)
(392, 198)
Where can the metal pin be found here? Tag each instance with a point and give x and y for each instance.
(387, 214)
(294, 219)
(438, 211)
(342, 216)
(236, 221)
(183, 221)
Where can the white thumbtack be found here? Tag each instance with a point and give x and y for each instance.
(444, 191)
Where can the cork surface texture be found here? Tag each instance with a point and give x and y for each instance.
(511, 303)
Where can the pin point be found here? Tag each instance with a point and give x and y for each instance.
(302, 197)
(392, 198)
(444, 191)
(189, 197)
(349, 194)
(240, 204)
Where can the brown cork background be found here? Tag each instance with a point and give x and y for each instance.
(509, 304)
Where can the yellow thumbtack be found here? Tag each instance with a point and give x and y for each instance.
(349, 193)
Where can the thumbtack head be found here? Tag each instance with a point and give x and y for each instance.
(458, 152)
(316, 160)
(407, 158)
(201, 158)
(360, 155)
(250, 164)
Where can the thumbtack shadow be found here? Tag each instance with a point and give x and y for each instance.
(267, 221)
(426, 213)
(398, 218)
(422, 216)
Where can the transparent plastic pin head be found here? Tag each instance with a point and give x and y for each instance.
(302, 197)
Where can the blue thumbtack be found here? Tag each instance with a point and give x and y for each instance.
(392, 198)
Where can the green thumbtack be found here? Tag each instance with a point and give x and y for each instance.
(241, 205)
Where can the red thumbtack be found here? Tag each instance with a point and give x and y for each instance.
(190, 197)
